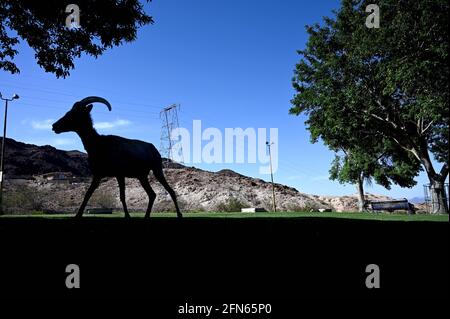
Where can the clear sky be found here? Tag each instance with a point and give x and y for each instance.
(227, 63)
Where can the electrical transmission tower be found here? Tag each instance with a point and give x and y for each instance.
(169, 118)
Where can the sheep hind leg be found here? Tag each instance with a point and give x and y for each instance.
(151, 195)
(159, 175)
(121, 182)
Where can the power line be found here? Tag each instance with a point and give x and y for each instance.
(54, 92)
(118, 111)
(84, 87)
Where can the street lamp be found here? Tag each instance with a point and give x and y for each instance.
(271, 177)
(14, 97)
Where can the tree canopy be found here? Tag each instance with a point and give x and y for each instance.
(42, 24)
(365, 87)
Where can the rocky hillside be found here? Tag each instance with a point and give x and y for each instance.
(25, 160)
(198, 190)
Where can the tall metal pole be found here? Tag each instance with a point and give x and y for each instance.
(2, 159)
(271, 177)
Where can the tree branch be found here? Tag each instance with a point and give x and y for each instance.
(426, 128)
(393, 124)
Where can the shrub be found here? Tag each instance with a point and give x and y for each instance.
(230, 205)
(103, 198)
(167, 206)
(295, 208)
(306, 207)
(24, 199)
(163, 206)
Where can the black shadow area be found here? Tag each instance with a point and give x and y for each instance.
(222, 259)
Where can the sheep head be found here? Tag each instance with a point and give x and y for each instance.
(79, 116)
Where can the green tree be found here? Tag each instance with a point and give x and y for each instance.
(42, 24)
(390, 83)
(360, 166)
(362, 155)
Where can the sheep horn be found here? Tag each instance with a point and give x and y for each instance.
(92, 99)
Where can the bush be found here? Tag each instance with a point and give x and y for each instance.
(164, 206)
(24, 199)
(230, 205)
(306, 207)
(103, 198)
(295, 208)
(167, 206)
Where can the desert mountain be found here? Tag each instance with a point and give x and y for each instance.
(25, 160)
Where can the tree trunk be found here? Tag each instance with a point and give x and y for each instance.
(439, 201)
(417, 144)
(438, 198)
(361, 197)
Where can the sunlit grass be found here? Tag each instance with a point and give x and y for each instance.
(266, 215)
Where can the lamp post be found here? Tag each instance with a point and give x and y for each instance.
(271, 177)
(2, 160)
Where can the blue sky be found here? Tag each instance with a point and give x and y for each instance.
(227, 63)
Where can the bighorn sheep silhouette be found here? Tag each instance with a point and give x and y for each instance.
(113, 156)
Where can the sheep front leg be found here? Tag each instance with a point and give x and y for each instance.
(94, 184)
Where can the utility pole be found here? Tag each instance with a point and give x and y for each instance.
(271, 177)
(169, 118)
(2, 160)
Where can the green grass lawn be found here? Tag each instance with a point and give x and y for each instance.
(348, 215)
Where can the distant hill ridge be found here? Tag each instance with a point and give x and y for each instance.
(25, 160)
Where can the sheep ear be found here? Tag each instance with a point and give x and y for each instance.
(89, 108)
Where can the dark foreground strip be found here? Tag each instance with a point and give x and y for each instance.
(218, 261)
